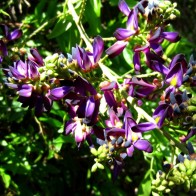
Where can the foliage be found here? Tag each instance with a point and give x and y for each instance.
(102, 97)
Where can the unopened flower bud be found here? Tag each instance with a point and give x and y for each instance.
(172, 17)
(164, 182)
(50, 65)
(193, 165)
(94, 168)
(161, 188)
(187, 163)
(100, 166)
(191, 108)
(171, 183)
(93, 151)
(187, 185)
(182, 167)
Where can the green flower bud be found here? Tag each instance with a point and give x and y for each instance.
(182, 167)
(157, 182)
(41, 69)
(175, 179)
(167, 190)
(102, 155)
(101, 149)
(174, 4)
(189, 172)
(161, 188)
(187, 163)
(176, 173)
(155, 194)
(50, 65)
(94, 151)
(191, 108)
(43, 76)
(94, 168)
(193, 100)
(193, 181)
(171, 183)
(52, 58)
(164, 182)
(194, 177)
(193, 165)
(176, 12)
(169, 10)
(100, 166)
(194, 118)
(187, 185)
(50, 72)
(164, 4)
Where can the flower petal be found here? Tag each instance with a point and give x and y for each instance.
(124, 8)
(143, 127)
(60, 92)
(143, 145)
(15, 34)
(98, 47)
(122, 34)
(116, 48)
(171, 36)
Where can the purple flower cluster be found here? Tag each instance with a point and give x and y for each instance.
(24, 77)
(87, 60)
(39, 82)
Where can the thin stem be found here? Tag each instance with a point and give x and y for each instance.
(106, 39)
(148, 75)
(81, 30)
(82, 10)
(43, 25)
(40, 129)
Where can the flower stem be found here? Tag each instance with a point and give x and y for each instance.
(82, 10)
(81, 30)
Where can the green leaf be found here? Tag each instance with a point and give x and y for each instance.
(64, 139)
(5, 178)
(145, 185)
(97, 6)
(51, 121)
(61, 26)
(4, 13)
(171, 49)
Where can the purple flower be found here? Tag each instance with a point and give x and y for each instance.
(8, 36)
(29, 97)
(124, 8)
(83, 87)
(24, 70)
(162, 112)
(60, 92)
(36, 57)
(153, 60)
(132, 22)
(159, 35)
(139, 88)
(177, 68)
(88, 60)
(82, 118)
(116, 48)
(191, 133)
(133, 134)
(130, 132)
